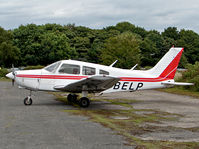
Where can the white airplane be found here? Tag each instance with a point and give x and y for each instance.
(82, 77)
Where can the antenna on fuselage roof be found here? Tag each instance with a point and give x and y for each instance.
(134, 67)
(113, 63)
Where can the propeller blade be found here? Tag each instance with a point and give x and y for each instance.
(13, 69)
(13, 82)
(13, 72)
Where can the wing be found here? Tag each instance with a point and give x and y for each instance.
(90, 84)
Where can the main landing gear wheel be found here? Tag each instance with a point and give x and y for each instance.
(84, 102)
(28, 101)
(72, 98)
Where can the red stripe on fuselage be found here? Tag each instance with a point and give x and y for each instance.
(159, 79)
(129, 79)
(51, 76)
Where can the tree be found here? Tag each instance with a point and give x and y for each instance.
(190, 41)
(124, 27)
(9, 54)
(28, 39)
(171, 32)
(82, 45)
(149, 53)
(152, 48)
(100, 36)
(43, 44)
(140, 31)
(124, 48)
(191, 75)
(55, 47)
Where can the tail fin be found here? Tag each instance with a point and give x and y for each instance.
(167, 66)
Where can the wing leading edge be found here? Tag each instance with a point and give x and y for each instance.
(90, 84)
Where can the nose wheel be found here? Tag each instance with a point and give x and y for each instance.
(28, 101)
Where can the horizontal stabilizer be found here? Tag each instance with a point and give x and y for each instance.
(178, 83)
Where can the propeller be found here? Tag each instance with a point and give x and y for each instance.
(13, 73)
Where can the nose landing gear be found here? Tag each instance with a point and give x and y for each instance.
(28, 100)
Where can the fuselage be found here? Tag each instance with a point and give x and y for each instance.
(69, 71)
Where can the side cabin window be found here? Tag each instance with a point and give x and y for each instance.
(69, 69)
(103, 72)
(88, 70)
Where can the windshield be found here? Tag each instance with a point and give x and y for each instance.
(52, 67)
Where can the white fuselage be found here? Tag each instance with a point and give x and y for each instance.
(130, 80)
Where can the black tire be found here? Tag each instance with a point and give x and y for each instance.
(27, 101)
(72, 98)
(84, 102)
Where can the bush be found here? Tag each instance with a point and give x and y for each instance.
(33, 67)
(3, 72)
(191, 75)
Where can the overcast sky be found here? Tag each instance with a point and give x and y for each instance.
(150, 14)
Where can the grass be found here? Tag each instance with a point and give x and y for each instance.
(5, 79)
(133, 126)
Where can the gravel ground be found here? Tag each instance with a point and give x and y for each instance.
(44, 125)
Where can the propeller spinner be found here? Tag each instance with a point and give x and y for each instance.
(12, 75)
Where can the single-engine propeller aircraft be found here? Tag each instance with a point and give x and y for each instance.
(82, 77)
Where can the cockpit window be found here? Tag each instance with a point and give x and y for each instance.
(52, 67)
(88, 70)
(69, 69)
(103, 72)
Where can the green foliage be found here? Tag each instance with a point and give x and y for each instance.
(124, 27)
(140, 31)
(190, 41)
(149, 52)
(183, 61)
(192, 75)
(43, 44)
(3, 72)
(33, 67)
(9, 54)
(171, 32)
(124, 48)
